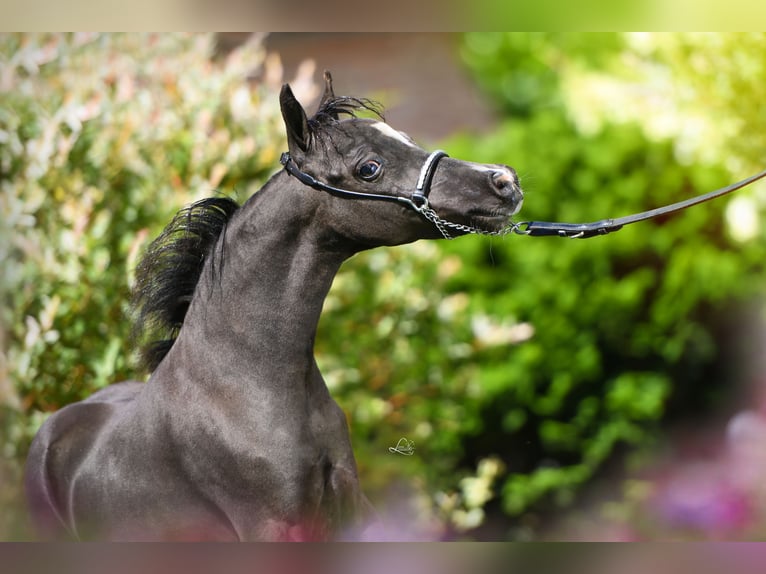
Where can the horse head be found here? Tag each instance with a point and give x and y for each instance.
(365, 158)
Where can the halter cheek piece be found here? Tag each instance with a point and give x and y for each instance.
(417, 201)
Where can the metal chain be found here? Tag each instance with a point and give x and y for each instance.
(443, 224)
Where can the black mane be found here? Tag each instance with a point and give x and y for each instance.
(169, 272)
(167, 275)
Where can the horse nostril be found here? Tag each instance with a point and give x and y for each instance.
(505, 177)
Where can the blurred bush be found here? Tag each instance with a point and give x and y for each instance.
(102, 139)
(637, 328)
(701, 89)
(543, 359)
(542, 356)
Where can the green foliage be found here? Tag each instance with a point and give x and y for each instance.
(626, 327)
(546, 354)
(701, 89)
(102, 139)
(523, 71)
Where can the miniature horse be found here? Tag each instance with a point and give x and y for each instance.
(235, 435)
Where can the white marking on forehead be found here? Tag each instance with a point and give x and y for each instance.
(387, 130)
(484, 168)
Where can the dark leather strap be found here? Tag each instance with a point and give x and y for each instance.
(585, 230)
(309, 180)
(417, 201)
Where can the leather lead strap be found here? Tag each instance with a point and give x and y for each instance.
(604, 226)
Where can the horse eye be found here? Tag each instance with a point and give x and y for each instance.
(369, 170)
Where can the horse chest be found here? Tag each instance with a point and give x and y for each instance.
(265, 464)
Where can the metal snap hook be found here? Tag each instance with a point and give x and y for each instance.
(516, 228)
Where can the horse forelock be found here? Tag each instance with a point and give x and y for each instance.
(168, 274)
(329, 112)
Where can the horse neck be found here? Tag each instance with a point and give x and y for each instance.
(254, 315)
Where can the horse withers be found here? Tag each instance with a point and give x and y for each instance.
(235, 436)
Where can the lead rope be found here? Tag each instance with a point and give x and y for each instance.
(604, 226)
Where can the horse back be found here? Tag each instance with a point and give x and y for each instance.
(57, 452)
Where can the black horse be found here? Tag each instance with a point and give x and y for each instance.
(235, 436)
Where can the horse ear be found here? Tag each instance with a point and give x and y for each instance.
(328, 94)
(298, 131)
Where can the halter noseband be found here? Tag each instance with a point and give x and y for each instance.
(423, 187)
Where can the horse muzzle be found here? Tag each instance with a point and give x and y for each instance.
(505, 182)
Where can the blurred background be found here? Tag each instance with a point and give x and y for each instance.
(608, 389)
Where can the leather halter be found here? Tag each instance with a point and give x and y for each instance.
(417, 201)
